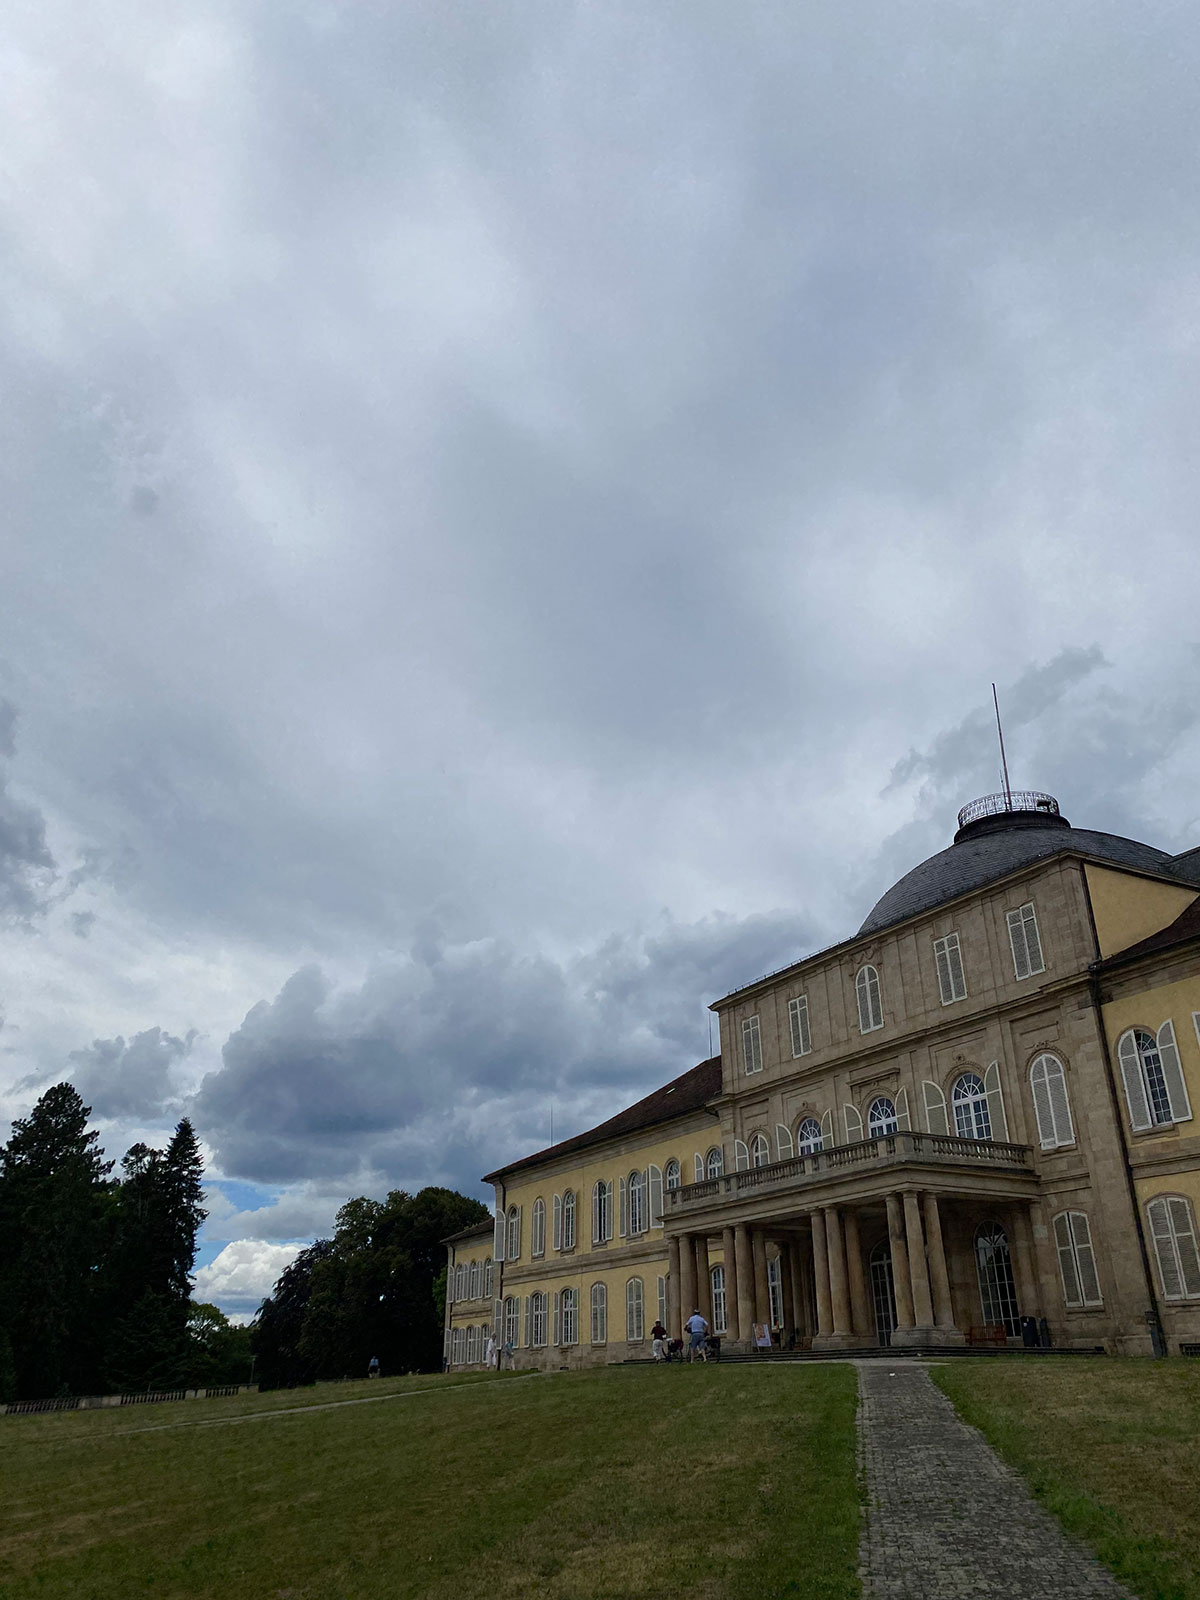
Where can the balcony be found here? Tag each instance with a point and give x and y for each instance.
(863, 1158)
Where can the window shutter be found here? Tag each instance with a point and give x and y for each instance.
(556, 1325)
(995, 1100)
(1020, 950)
(945, 980)
(935, 1107)
(655, 1181)
(1181, 1109)
(827, 1139)
(1135, 1084)
(903, 1120)
(853, 1120)
(1089, 1281)
(1164, 1248)
(1060, 1106)
(520, 1219)
(741, 1155)
(1033, 942)
(662, 1301)
(1039, 1078)
(1066, 1260)
(596, 1218)
(498, 1318)
(783, 1142)
(529, 1322)
(558, 1222)
(498, 1246)
(624, 1206)
(1185, 1243)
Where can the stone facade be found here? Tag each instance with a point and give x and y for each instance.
(921, 1136)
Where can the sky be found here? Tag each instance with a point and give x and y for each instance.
(510, 517)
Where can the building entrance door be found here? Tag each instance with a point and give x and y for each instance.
(883, 1292)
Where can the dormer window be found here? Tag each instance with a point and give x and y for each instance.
(870, 1005)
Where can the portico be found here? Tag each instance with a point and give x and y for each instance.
(865, 1244)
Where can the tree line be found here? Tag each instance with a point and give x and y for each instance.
(95, 1269)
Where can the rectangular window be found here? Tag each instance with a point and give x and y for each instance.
(539, 1319)
(751, 1045)
(1026, 942)
(951, 981)
(1077, 1259)
(512, 1320)
(798, 1016)
(570, 1316)
(775, 1289)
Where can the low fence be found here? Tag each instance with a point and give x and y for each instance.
(142, 1397)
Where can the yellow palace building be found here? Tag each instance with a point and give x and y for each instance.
(971, 1122)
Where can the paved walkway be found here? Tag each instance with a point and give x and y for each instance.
(945, 1519)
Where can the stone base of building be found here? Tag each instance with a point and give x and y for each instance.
(928, 1335)
(841, 1341)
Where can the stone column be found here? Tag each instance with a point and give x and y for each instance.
(839, 1289)
(674, 1319)
(860, 1308)
(917, 1265)
(821, 1277)
(901, 1282)
(745, 1282)
(939, 1277)
(729, 1251)
(762, 1294)
(703, 1281)
(1029, 1300)
(687, 1277)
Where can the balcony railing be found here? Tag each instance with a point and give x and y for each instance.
(936, 1149)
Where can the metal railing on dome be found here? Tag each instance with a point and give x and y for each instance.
(995, 805)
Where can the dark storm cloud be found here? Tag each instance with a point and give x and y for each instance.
(444, 1064)
(134, 1080)
(26, 865)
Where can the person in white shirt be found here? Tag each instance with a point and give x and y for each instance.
(697, 1330)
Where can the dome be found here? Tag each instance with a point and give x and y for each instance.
(996, 836)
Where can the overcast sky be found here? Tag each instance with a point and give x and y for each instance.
(510, 517)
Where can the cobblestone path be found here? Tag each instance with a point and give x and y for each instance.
(945, 1519)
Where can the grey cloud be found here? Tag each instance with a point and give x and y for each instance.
(82, 923)
(441, 1066)
(26, 865)
(133, 1079)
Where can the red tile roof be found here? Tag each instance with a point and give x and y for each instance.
(691, 1091)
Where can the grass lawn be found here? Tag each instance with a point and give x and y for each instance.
(713, 1482)
(1110, 1447)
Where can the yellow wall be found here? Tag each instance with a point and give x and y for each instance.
(1149, 1010)
(1128, 908)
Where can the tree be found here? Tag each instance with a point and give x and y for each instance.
(277, 1327)
(53, 1194)
(218, 1352)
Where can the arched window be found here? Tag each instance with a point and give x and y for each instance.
(718, 1299)
(1048, 1080)
(512, 1320)
(715, 1164)
(601, 1212)
(997, 1293)
(537, 1229)
(539, 1319)
(672, 1175)
(1077, 1259)
(635, 1310)
(476, 1280)
(1154, 1086)
(460, 1281)
(881, 1117)
(456, 1347)
(760, 1151)
(570, 1316)
(870, 1006)
(513, 1248)
(568, 1220)
(637, 1202)
(599, 1314)
(1173, 1229)
(808, 1137)
(972, 1120)
(488, 1275)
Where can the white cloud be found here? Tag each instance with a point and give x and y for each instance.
(243, 1274)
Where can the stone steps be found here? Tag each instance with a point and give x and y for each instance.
(874, 1352)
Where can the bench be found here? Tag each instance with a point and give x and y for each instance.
(988, 1333)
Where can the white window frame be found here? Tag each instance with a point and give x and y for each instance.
(1144, 1097)
(977, 1100)
(512, 1320)
(568, 1220)
(809, 1144)
(570, 1316)
(1172, 1227)
(751, 1045)
(636, 1221)
(602, 1212)
(513, 1243)
(881, 1126)
(798, 1021)
(760, 1150)
(540, 1317)
(1051, 1109)
(662, 1299)
(1028, 956)
(537, 1228)
(775, 1290)
(598, 1304)
(869, 994)
(1077, 1261)
(714, 1162)
(720, 1322)
(673, 1175)
(635, 1310)
(952, 980)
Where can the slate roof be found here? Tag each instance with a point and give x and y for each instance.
(472, 1232)
(976, 861)
(691, 1091)
(1185, 927)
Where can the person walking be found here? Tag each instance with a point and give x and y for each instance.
(659, 1334)
(373, 1367)
(697, 1331)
